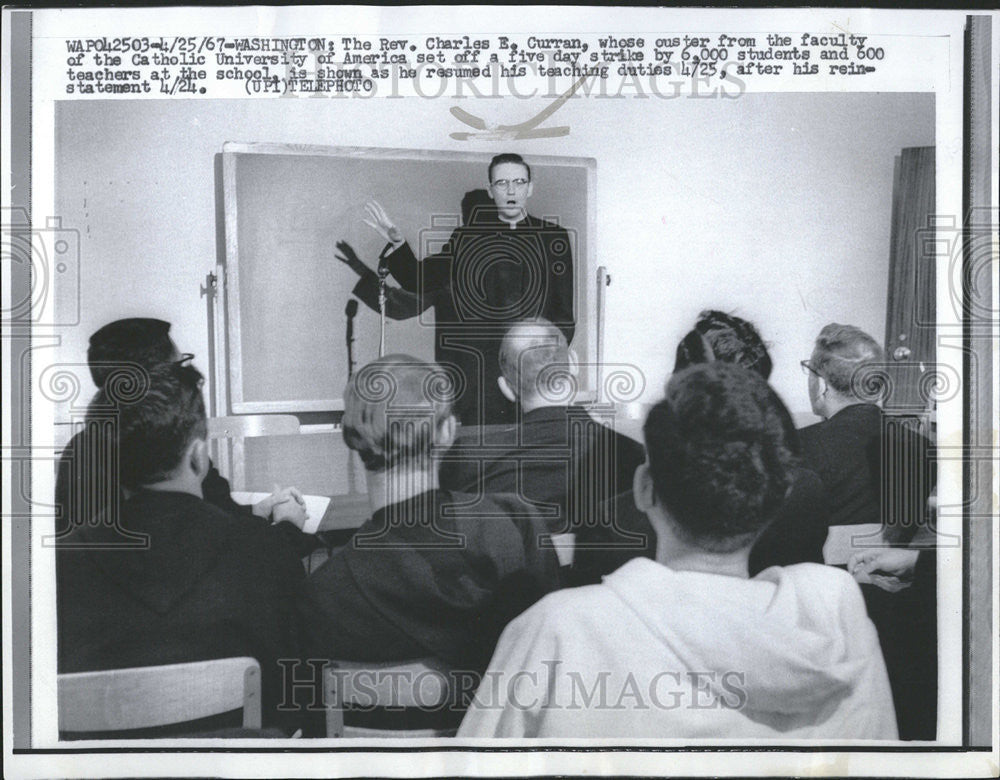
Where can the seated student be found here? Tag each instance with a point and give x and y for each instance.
(798, 529)
(119, 352)
(556, 457)
(432, 573)
(201, 584)
(688, 645)
(875, 472)
(879, 471)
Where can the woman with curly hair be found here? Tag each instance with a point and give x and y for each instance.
(798, 526)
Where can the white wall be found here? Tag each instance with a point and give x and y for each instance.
(775, 207)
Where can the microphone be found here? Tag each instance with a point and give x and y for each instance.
(351, 310)
(383, 262)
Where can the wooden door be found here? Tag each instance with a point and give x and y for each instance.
(910, 312)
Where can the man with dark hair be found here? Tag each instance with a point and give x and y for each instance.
(688, 645)
(879, 475)
(432, 573)
(556, 456)
(123, 351)
(194, 582)
(142, 340)
(720, 336)
(502, 266)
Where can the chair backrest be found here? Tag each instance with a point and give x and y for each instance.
(149, 696)
(422, 686)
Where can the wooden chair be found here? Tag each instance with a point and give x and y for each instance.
(231, 459)
(150, 696)
(421, 685)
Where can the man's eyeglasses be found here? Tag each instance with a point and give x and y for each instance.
(501, 184)
(184, 360)
(808, 369)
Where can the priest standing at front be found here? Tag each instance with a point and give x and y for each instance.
(502, 266)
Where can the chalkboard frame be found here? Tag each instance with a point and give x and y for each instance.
(590, 279)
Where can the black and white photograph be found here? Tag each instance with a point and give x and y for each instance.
(476, 391)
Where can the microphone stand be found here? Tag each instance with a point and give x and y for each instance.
(383, 273)
(350, 344)
(351, 310)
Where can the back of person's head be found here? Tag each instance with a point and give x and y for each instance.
(476, 204)
(841, 352)
(394, 408)
(508, 157)
(720, 336)
(718, 454)
(535, 361)
(157, 419)
(140, 340)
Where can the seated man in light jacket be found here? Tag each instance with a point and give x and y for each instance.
(688, 645)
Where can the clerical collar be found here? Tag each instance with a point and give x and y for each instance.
(512, 225)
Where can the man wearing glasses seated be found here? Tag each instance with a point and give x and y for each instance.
(120, 355)
(188, 581)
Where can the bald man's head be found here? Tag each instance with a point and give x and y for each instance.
(535, 363)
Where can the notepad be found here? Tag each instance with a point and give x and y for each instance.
(315, 507)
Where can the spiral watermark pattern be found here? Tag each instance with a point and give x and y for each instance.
(557, 385)
(871, 382)
(444, 384)
(375, 384)
(127, 383)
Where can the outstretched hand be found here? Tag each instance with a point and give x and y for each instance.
(379, 221)
(890, 568)
(891, 561)
(349, 257)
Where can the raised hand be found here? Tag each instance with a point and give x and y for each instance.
(379, 221)
(349, 257)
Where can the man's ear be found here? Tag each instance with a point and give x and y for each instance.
(531, 188)
(642, 488)
(822, 386)
(445, 434)
(506, 389)
(197, 458)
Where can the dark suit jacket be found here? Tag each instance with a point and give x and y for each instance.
(208, 584)
(438, 575)
(486, 277)
(876, 469)
(85, 489)
(559, 460)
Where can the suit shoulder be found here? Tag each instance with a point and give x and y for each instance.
(809, 435)
(554, 229)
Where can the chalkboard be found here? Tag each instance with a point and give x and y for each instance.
(286, 207)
